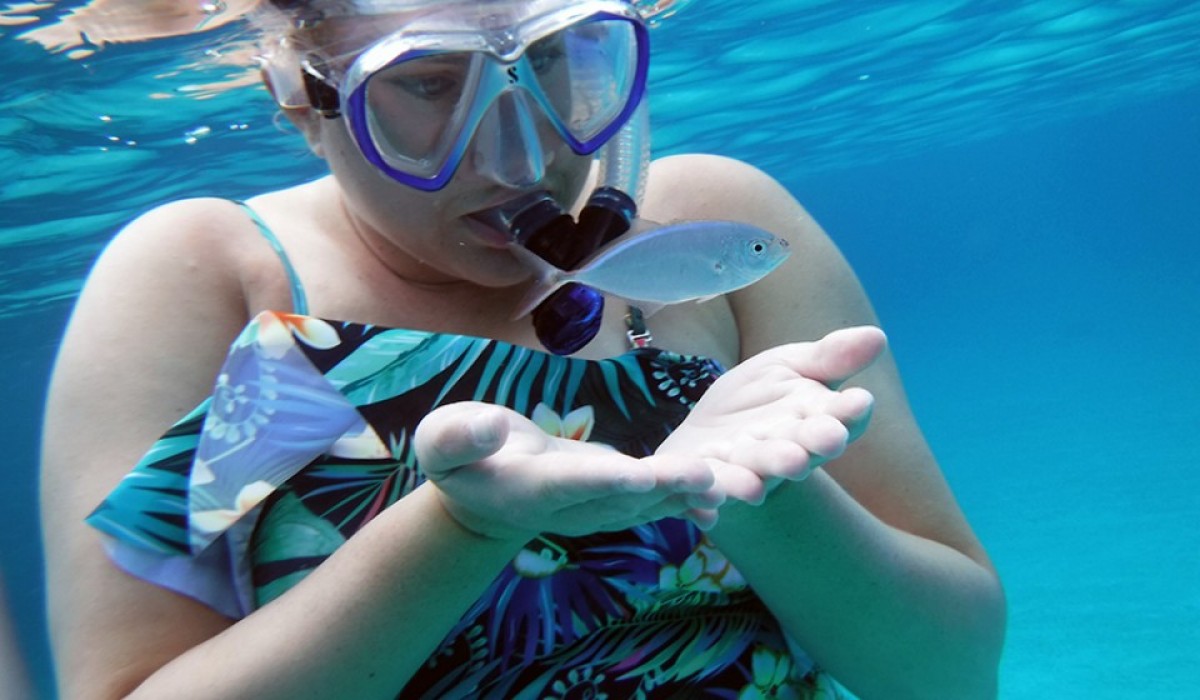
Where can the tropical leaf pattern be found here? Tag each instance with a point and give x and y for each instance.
(651, 612)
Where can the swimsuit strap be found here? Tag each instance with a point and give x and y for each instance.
(299, 301)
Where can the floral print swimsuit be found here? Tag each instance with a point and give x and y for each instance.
(306, 437)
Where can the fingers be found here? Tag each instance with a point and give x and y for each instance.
(853, 407)
(786, 445)
(748, 467)
(678, 474)
(703, 518)
(823, 437)
(738, 482)
(679, 487)
(654, 479)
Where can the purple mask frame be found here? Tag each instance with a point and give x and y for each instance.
(355, 110)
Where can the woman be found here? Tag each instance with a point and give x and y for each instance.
(410, 497)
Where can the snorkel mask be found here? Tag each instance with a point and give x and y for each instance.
(497, 78)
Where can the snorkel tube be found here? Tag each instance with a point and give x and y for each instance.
(570, 317)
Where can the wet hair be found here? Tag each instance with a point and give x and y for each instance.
(301, 12)
(311, 11)
(306, 14)
(294, 34)
(651, 10)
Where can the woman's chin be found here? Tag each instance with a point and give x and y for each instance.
(493, 269)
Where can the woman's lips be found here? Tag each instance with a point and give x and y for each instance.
(493, 224)
(504, 215)
(488, 235)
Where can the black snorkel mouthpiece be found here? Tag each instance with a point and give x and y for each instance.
(570, 317)
(608, 215)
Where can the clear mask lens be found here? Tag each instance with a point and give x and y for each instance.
(414, 109)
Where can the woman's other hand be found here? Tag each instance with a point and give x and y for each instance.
(781, 413)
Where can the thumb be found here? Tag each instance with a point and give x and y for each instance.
(842, 354)
(458, 434)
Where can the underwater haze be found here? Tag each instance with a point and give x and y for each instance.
(1017, 184)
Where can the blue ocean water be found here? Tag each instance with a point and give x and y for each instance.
(1017, 184)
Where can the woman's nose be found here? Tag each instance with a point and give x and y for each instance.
(508, 147)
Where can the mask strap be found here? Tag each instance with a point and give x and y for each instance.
(322, 94)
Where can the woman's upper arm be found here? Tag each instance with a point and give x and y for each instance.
(890, 470)
(143, 345)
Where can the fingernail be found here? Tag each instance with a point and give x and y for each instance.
(482, 430)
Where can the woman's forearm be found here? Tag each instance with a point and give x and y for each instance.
(360, 625)
(890, 614)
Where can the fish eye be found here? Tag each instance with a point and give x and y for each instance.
(758, 247)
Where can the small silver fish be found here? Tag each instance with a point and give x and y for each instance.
(686, 261)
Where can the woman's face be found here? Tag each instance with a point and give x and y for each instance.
(432, 236)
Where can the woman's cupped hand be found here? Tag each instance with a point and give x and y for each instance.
(774, 417)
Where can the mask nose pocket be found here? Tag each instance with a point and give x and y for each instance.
(507, 147)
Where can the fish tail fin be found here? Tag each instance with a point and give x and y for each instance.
(547, 279)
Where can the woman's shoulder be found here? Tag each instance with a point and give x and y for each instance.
(214, 227)
(169, 270)
(187, 217)
(706, 186)
(706, 164)
(191, 232)
(196, 252)
(708, 181)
